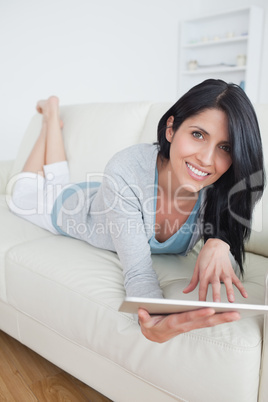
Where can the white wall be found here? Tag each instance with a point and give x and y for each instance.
(93, 51)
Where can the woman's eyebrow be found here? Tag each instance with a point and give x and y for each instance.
(200, 128)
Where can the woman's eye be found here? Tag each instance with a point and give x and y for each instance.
(197, 135)
(226, 148)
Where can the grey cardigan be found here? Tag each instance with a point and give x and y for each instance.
(118, 215)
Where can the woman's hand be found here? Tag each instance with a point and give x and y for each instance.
(161, 328)
(213, 266)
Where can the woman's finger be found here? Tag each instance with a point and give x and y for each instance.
(194, 281)
(144, 317)
(203, 289)
(216, 291)
(208, 319)
(221, 318)
(229, 289)
(146, 320)
(239, 286)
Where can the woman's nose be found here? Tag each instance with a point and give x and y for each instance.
(206, 156)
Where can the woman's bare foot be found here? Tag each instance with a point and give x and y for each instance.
(43, 106)
(48, 106)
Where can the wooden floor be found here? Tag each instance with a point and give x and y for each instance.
(27, 377)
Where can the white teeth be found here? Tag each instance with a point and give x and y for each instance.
(196, 171)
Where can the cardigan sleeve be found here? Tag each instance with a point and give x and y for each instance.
(122, 199)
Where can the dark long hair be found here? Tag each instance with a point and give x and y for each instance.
(227, 211)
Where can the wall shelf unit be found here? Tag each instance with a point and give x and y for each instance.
(226, 46)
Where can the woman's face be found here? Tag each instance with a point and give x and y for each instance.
(199, 150)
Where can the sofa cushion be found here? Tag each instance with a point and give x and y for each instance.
(14, 231)
(75, 290)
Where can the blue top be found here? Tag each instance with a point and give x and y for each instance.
(179, 242)
(64, 195)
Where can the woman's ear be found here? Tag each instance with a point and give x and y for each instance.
(169, 129)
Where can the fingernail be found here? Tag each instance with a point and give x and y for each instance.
(231, 298)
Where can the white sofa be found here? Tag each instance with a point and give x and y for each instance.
(60, 296)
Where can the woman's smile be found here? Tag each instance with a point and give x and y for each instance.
(198, 174)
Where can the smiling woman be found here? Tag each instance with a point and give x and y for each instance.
(159, 198)
(199, 154)
(225, 123)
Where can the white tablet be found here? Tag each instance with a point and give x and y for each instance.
(169, 306)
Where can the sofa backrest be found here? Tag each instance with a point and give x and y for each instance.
(94, 132)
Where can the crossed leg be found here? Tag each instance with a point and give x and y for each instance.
(49, 147)
(41, 179)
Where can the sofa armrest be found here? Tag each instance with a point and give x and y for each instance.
(5, 169)
(263, 391)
